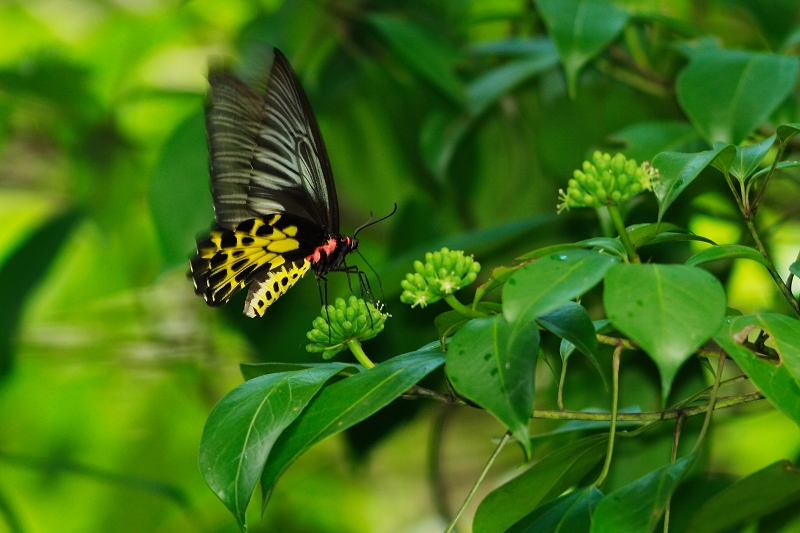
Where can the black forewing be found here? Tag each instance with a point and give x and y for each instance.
(267, 153)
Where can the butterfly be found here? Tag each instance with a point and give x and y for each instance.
(277, 216)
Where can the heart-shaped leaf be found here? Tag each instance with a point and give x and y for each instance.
(668, 310)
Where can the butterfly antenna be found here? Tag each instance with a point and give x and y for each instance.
(370, 222)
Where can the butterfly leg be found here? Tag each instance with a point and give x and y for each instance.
(323, 298)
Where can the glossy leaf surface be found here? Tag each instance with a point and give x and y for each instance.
(668, 310)
(244, 425)
(638, 506)
(580, 29)
(345, 403)
(493, 363)
(724, 94)
(677, 171)
(545, 480)
(551, 281)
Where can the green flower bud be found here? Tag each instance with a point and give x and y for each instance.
(353, 319)
(606, 180)
(443, 273)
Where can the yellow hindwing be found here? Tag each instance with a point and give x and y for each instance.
(265, 290)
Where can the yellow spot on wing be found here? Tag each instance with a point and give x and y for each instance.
(291, 231)
(263, 292)
(283, 245)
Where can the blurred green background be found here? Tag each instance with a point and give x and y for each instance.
(456, 110)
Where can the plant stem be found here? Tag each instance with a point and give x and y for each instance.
(478, 481)
(358, 352)
(771, 268)
(616, 218)
(711, 401)
(647, 416)
(561, 384)
(760, 194)
(435, 477)
(630, 345)
(614, 403)
(635, 47)
(676, 437)
(463, 309)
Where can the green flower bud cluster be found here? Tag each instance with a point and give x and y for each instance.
(443, 273)
(606, 180)
(351, 320)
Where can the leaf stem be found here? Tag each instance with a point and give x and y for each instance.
(760, 194)
(616, 218)
(614, 404)
(771, 268)
(676, 437)
(463, 309)
(561, 384)
(711, 402)
(358, 352)
(647, 416)
(438, 486)
(478, 481)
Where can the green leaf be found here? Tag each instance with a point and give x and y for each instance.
(759, 494)
(774, 381)
(580, 29)
(552, 281)
(723, 91)
(677, 171)
(642, 234)
(254, 370)
(783, 331)
(572, 323)
(638, 506)
(425, 52)
(669, 310)
(726, 251)
(489, 88)
(499, 276)
(494, 365)
(441, 134)
(448, 323)
(243, 426)
(345, 403)
(749, 157)
(21, 273)
(779, 166)
(179, 194)
(646, 139)
(514, 46)
(549, 477)
(612, 246)
(787, 131)
(669, 236)
(571, 513)
(794, 268)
